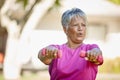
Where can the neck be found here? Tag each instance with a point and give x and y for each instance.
(73, 45)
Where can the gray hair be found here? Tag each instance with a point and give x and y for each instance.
(69, 14)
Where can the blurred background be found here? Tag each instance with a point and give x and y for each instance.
(26, 26)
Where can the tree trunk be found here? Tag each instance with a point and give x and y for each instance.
(32, 22)
(17, 49)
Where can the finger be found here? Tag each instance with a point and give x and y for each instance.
(91, 56)
(94, 55)
(43, 52)
(50, 52)
(88, 54)
(55, 55)
(47, 53)
(97, 52)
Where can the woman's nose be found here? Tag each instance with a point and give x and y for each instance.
(80, 28)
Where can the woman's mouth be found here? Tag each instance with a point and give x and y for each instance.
(80, 34)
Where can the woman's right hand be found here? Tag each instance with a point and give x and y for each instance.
(47, 54)
(51, 52)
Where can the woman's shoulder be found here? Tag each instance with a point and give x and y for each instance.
(90, 45)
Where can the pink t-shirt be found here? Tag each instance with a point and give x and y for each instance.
(71, 66)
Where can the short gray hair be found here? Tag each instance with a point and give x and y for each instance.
(69, 14)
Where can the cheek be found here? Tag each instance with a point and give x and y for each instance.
(71, 32)
(85, 32)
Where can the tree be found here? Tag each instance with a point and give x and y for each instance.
(117, 2)
(18, 27)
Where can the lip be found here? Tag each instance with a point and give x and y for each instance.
(80, 34)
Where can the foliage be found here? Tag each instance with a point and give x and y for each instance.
(115, 1)
(110, 66)
(57, 4)
(25, 2)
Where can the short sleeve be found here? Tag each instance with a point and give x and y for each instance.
(91, 46)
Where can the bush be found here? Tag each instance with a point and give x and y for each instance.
(110, 66)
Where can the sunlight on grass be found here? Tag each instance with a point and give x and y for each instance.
(29, 77)
(1, 77)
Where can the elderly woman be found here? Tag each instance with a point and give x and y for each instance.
(64, 60)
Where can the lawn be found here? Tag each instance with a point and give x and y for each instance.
(43, 75)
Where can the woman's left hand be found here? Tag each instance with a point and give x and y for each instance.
(93, 54)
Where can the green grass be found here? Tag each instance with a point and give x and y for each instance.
(28, 77)
(1, 76)
(45, 76)
(110, 66)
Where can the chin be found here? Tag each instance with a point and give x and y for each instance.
(80, 41)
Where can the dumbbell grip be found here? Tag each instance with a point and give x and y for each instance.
(83, 54)
(59, 54)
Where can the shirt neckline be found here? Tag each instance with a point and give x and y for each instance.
(72, 48)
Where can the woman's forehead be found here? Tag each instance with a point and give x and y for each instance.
(77, 18)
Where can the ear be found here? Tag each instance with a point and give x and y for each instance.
(65, 29)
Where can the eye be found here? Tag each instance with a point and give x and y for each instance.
(84, 25)
(75, 25)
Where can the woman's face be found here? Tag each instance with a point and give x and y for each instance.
(76, 30)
